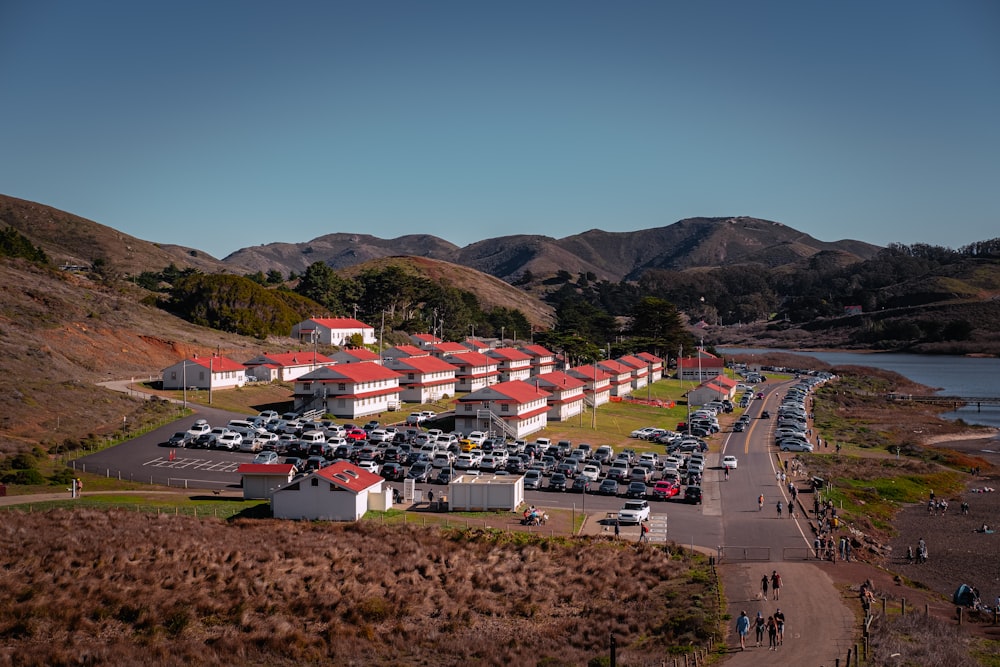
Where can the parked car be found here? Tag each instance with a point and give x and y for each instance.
(419, 471)
(665, 489)
(591, 472)
(533, 479)
(608, 487)
(557, 482)
(230, 441)
(179, 439)
(692, 494)
(636, 490)
(200, 427)
(634, 511)
(268, 458)
(393, 472)
(370, 465)
(794, 446)
(581, 485)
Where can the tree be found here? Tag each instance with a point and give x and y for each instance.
(322, 284)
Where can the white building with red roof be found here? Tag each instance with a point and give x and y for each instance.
(639, 369)
(285, 366)
(477, 345)
(512, 363)
(401, 351)
(474, 371)
(716, 389)
(445, 348)
(348, 390)
(701, 367)
(565, 394)
(333, 331)
(655, 364)
(597, 384)
(424, 339)
(516, 408)
(620, 376)
(211, 372)
(423, 379)
(542, 360)
(338, 492)
(261, 479)
(356, 355)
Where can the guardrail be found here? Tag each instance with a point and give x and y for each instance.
(755, 553)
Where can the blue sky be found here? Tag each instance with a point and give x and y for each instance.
(226, 124)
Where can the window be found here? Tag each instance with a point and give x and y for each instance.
(342, 387)
(315, 481)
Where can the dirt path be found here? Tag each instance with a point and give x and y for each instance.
(820, 624)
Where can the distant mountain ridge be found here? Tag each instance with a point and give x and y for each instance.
(613, 256)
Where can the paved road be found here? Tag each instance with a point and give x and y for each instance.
(819, 625)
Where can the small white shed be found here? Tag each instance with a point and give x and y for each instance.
(481, 493)
(339, 492)
(261, 479)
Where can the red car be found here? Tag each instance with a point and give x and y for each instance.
(665, 489)
(357, 434)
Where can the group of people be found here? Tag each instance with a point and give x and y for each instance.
(774, 626)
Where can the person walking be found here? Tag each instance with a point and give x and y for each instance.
(760, 502)
(618, 529)
(772, 634)
(779, 509)
(779, 621)
(643, 533)
(758, 625)
(763, 586)
(742, 628)
(775, 583)
(727, 473)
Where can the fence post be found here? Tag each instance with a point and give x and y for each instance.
(855, 655)
(902, 606)
(959, 610)
(883, 606)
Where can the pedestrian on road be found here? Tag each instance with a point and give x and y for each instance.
(779, 509)
(727, 472)
(816, 546)
(760, 502)
(742, 628)
(775, 583)
(772, 634)
(779, 620)
(758, 626)
(644, 533)
(763, 585)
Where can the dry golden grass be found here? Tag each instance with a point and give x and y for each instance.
(92, 587)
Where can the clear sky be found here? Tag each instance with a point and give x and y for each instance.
(222, 124)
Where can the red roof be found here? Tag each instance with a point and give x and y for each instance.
(350, 373)
(426, 364)
(301, 358)
(265, 469)
(348, 476)
(517, 391)
(340, 323)
(218, 364)
(359, 353)
(634, 362)
(410, 351)
(537, 351)
(448, 348)
(651, 358)
(426, 337)
(557, 380)
(614, 367)
(471, 359)
(589, 372)
(508, 353)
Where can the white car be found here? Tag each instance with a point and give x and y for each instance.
(591, 472)
(268, 458)
(634, 511)
(730, 462)
(642, 433)
(794, 446)
(369, 465)
(476, 437)
(200, 427)
(230, 440)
